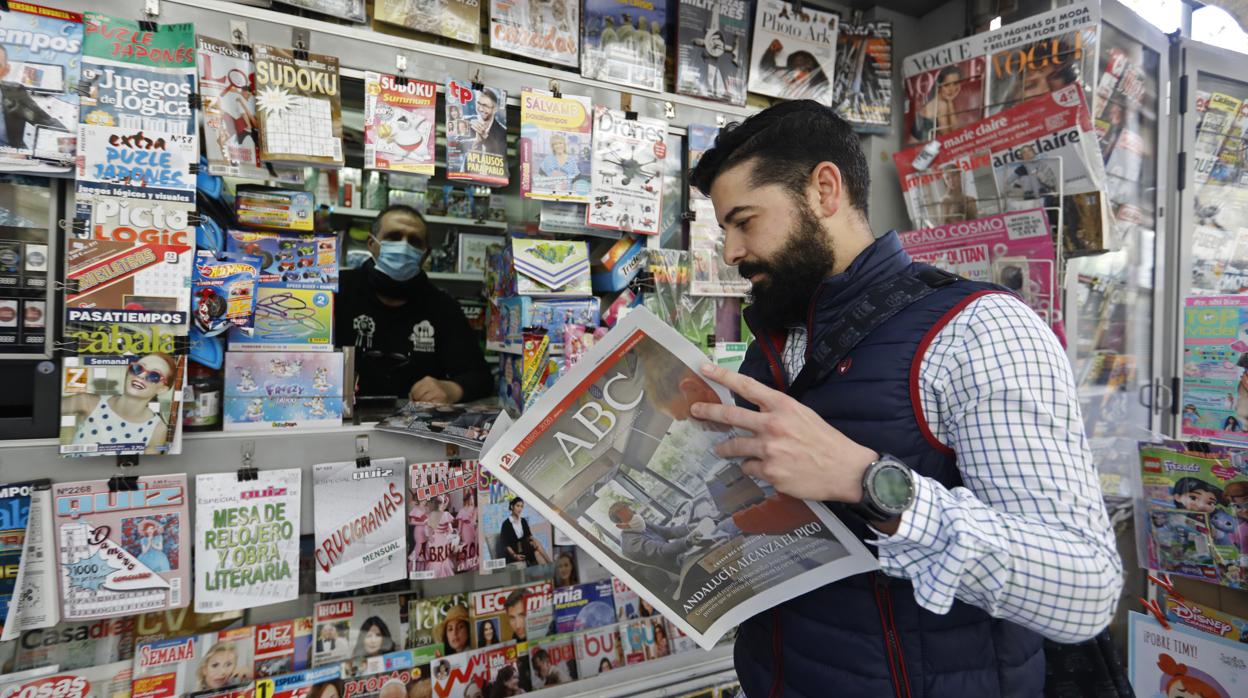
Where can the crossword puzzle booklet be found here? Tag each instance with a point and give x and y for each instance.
(299, 107)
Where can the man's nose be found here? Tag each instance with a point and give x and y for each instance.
(734, 248)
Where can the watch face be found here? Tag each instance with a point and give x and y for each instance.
(892, 488)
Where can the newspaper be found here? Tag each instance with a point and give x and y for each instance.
(442, 519)
(461, 425)
(547, 31)
(35, 604)
(600, 455)
(713, 49)
(958, 83)
(226, 76)
(123, 552)
(367, 626)
(1049, 127)
(42, 47)
(359, 523)
(863, 90)
(555, 145)
(626, 189)
(794, 51)
(400, 124)
(246, 539)
(1012, 249)
(30, 550)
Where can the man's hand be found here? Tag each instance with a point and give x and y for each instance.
(792, 447)
(430, 389)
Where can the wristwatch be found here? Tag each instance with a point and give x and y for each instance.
(887, 490)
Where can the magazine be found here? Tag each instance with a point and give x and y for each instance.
(1045, 129)
(624, 381)
(226, 76)
(627, 172)
(400, 124)
(1215, 358)
(1011, 249)
(299, 107)
(14, 518)
(491, 624)
(956, 84)
(76, 645)
(137, 256)
(267, 391)
(359, 524)
(712, 276)
(598, 650)
(223, 291)
(625, 42)
(1216, 120)
(713, 49)
(628, 605)
(442, 519)
(637, 640)
(474, 673)
(542, 29)
(476, 133)
(289, 260)
(555, 146)
(794, 52)
(42, 47)
(862, 92)
(283, 646)
(303, 684)
(104, 681)
(129, 556)
(194, 665)
(439, 620)
(121, 405)
(246, 539)
(272, 209)
(365, 626)
(539, 614)
(391, 682)
(552, 661)
(1205, 619)
(455, 19)
(461, 425)
(352, 10)
(494, 503)
(1170, 658)
(584, 607)
(34, 604)
(138, 136)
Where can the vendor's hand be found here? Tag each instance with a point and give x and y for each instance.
(430, 389)
(792, 447)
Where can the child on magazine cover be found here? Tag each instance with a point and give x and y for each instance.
(126, 417)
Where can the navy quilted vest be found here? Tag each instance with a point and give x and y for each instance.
(866, 635)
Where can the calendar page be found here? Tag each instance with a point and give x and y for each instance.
(299, 107)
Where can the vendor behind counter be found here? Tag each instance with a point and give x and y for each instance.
(412, 340)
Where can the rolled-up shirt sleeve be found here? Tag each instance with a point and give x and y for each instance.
(1027, 537)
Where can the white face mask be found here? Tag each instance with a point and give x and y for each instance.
(636, 524)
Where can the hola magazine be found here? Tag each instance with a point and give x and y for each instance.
(555, 146)
(713, 49)
(246, 539)
(794, 53)
(359, 523)
(543, 29)
(602, 457)
(400, 124)
(958, 83)
(122, 553)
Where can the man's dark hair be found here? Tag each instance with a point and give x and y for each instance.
(786, 142)
(399, 208)
(514, 598)
(542, 654)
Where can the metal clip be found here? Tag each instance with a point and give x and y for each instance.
(477, 84)
(125, 483)
(669, 110)
(195, 101)
(554, 89)
(151, 8)
(400, 67)
(238, 32)
(301, 40)
(248, 472)
(361, 451)
(720, 121)
(70, 286)
(626, 106)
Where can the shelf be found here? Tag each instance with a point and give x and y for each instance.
(443, 220)
(451, 276)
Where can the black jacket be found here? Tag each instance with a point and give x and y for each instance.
(507, 539)
(397, 346)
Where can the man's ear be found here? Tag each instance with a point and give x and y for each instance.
(373, 247)
(826, 188)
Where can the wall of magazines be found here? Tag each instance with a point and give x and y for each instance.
(1065, 206)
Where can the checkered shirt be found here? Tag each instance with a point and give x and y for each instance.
(1027, 539)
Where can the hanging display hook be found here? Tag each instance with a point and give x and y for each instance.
(554, 89)
(248, 472)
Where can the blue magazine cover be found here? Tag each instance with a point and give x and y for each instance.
(41, 67)
(625, 42)
(584, 607)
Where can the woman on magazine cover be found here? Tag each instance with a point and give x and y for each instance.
(440, 553)
(375, 638)
(940, 114)
(418, 519)
(217, 669)
(467, 529)
(126, 418)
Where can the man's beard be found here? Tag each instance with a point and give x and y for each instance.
(793, 274)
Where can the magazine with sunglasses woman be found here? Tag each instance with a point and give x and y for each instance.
(125, 422)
